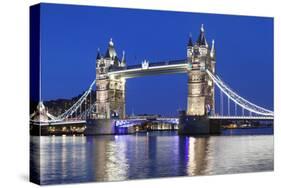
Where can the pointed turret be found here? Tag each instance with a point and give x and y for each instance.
(41, 113)
(98, 55)
(202, 39)
(110, 53)
(213, 51)
(190, 43)
(123, 61)
(41, 106)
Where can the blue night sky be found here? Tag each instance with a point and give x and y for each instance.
(71, 35)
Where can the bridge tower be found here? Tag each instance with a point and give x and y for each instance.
(201, 88)
(110, 96)
(201, 97)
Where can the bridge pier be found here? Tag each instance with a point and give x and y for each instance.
(197, 125)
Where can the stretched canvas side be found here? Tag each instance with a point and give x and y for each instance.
(35, 85)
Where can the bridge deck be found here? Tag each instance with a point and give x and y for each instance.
(59, 122)
(242, 117)
(169, 67)
(171, 120)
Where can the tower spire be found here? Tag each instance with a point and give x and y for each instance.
(212, 53)
(202, 39)
(110, 53)
(98, 54)
(111, 42)
(190, 43)
(213, 45)
(202, 28)
(123, 60)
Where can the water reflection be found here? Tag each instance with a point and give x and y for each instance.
(110, 158)
(106, 159)
(197, 155)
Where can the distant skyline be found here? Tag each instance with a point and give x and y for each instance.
(71, 35)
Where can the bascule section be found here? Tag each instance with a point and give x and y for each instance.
(201, 57)
(110, 90)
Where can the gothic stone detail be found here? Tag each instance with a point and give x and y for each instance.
(200, 86)
(111, 91)
(110, 96)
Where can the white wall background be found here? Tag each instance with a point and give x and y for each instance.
(14, 96)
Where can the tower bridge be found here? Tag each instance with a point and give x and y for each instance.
(111, 75)
(200, 66)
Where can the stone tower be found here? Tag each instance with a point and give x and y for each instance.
(201, 95)
(110, 96)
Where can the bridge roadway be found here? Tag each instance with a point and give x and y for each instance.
(241, 117)
(131, 122)
(167, 67)
(122, 122)
(71, 122)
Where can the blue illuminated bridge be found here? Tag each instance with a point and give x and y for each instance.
(166, 67)
(203, 80)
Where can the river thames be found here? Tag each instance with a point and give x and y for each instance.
(74, 159)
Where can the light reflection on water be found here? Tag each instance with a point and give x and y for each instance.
(112, 158)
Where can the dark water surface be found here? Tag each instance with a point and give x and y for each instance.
(69, 159)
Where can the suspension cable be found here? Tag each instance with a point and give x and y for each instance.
(238, 99)
(76, 105)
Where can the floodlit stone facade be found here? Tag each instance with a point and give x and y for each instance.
(110, 97)
(201, 96)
